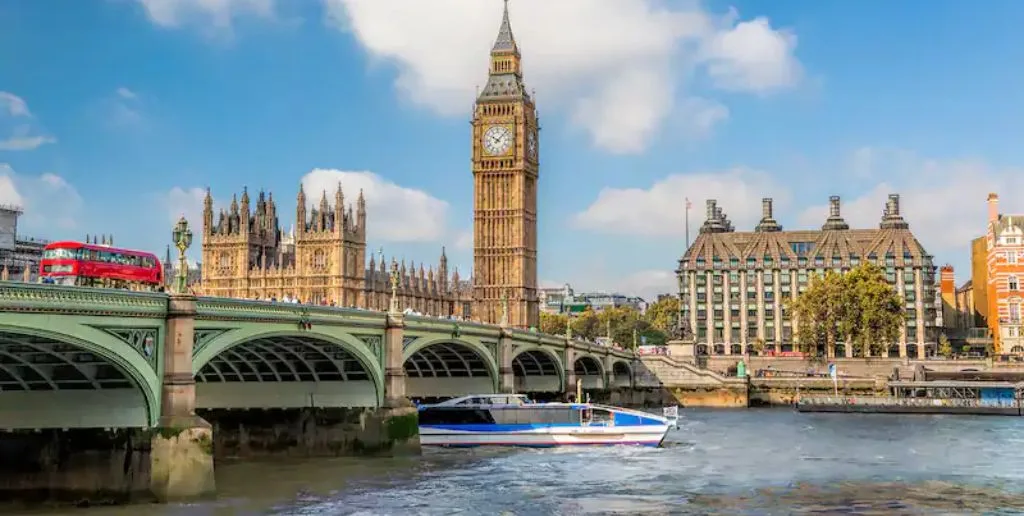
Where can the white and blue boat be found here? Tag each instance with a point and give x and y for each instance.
(514, 420)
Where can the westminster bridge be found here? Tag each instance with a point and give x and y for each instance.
(221, 374)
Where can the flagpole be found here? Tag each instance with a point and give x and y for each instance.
(687, 223)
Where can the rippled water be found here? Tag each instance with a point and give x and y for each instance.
(772, 461)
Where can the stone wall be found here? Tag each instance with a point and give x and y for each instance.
(98, 467)
(687, 385)
(784, 391)
(312, 432)
(858, 367)
(715, 397)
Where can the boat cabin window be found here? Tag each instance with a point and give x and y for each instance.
(456, 416)
(493, 400)
(596, 416)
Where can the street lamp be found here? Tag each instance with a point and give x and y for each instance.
(394, 308)
(182, 236)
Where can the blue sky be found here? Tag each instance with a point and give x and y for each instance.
(116, 114)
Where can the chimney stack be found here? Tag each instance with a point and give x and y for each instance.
(767, 223)
(993, 207)
(833, 206)
(892, 219)
(715, 222)
(835, 221)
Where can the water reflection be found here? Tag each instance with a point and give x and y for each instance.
(718, 462)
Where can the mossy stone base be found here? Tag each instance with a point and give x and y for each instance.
(181, 461)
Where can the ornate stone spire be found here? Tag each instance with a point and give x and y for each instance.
(505, 80)
(506, 42)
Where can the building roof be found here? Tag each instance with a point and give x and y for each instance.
(505, 42)
(719, 239)
(508, 85)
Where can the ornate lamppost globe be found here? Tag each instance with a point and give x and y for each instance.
(182, 235)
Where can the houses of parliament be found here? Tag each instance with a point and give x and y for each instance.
(323, 260)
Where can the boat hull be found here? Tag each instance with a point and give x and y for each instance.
(545, 437)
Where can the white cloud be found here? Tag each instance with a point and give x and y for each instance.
(188, 203)
(14, 105)
(701, 116)
(20, 143)
(394, 213)
(660, 209)
(217, 13)
(464, 240)
(122, 108)
(49, 202)
(618, 66)
(752, 57)
(126, 93)
(20, 134)
(943, 201)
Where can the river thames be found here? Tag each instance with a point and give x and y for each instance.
(766, 461)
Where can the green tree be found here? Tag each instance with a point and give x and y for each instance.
(759, 345)
(872, 310)
(819, 313)
(663, 314)
(586, 325)
(945, 347)
(859, 308)
(622, 320)
(652, 336)
(553, 324)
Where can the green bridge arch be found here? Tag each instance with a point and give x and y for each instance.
(547, 352)
(231, 338)
(482, 352)
(127, 360)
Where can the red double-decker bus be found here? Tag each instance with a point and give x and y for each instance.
(91, 265)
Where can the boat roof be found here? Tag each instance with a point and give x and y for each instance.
(475, 400)
(485, 399)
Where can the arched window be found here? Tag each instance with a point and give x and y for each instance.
(319, 259)
(224, 260)
(1012, 283)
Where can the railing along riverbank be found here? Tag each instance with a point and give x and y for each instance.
(894, 405)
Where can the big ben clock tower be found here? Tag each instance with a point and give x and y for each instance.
(505, 165)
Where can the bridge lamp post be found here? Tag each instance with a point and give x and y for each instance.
(393, 307)
(182, 236)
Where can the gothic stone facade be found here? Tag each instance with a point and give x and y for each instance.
(733, 283)
(322, 261)
(505, 172)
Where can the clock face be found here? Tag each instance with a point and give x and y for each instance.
(497, 140)
(531, 145)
